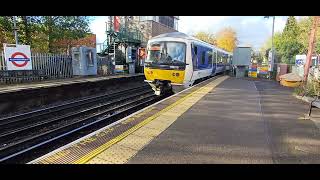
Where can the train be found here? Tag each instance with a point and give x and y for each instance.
(177, 61)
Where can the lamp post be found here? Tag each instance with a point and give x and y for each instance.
(272, 48)
(15, 29)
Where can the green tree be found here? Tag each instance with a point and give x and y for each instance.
(289, 46)
(44, 33)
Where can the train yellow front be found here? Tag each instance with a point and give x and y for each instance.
(178, 60)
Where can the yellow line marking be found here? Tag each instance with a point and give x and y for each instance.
(105, 146)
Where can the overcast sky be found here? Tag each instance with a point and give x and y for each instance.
(251, 30)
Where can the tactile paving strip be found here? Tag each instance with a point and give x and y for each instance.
(76, 153)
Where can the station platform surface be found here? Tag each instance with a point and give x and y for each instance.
(59, 82)
(222, 120)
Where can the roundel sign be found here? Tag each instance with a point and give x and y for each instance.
(18, 57)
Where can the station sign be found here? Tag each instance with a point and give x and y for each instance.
(300, 60)
(17, 57)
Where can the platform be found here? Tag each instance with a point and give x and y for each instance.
(60, 82)
(222, 120)
(27, 97)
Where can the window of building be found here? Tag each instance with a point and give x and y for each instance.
(147, 18)
(176, 24)
(167, 21)
(90, 58)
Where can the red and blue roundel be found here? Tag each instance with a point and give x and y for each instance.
(19, 59)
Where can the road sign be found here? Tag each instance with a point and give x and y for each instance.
(301, 60)
(18, 57)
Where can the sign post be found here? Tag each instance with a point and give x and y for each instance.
(270, 64)
(17, 57)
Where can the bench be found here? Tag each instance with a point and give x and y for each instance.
(314, 103)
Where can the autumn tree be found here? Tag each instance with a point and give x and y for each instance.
(206, 37)
(227, 39)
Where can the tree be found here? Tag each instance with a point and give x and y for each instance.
(44, 33)
(257, 57)
(6, 30)
(290, 46)
(227, 39)
(206, 37)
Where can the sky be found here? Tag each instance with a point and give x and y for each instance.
(251, 30)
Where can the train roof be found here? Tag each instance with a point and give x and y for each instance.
(185, 36)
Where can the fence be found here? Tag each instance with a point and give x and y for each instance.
(45, 66)
(48, 66)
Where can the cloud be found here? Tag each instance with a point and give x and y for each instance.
(98, 27)
(253, 30)
(192, 24)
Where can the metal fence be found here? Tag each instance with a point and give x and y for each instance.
(44, 66)
(49, 66)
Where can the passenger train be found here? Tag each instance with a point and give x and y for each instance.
(178, 60)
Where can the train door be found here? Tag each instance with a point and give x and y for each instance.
(214, 62)
(194, 57)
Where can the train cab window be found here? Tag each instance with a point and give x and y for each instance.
(203, 57)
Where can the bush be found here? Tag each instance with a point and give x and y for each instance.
(312, 88)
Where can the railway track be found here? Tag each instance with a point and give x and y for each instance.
(26, 136)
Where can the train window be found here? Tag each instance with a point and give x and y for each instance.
(214, 57)
(219, 58)
(203, 57)
(194, 57)
(210, 57)
(195, 50)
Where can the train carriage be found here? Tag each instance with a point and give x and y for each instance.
(178, 60)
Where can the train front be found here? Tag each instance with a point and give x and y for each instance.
(165, 65)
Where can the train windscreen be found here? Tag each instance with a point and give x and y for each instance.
(166, 53)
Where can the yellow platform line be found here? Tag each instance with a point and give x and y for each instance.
(105, 146)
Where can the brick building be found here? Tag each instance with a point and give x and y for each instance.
(152, 26)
